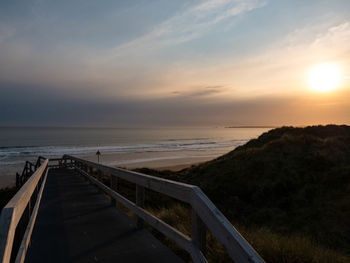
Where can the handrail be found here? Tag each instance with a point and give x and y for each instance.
(174, 189)
(28, 170)
(18, 207)
(204, 213)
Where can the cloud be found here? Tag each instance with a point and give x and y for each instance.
(189, 24)
(128, 69)
(131, 83)
(202, 92)
(333, 37)
(40, 107)
(281, 68)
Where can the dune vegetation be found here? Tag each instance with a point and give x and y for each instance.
(288, 193)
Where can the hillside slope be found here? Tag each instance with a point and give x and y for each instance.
(290, 180)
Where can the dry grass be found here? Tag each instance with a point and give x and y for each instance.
(273, 247)
(294, 248)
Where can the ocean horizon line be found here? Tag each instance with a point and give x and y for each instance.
(138, 127)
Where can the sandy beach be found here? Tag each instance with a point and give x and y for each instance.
(9, 179)
(156, 148)
(173, 165)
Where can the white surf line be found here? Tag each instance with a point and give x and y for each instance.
(142, 160)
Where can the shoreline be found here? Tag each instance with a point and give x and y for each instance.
(175, 165)
(166, 164)
(162, 149)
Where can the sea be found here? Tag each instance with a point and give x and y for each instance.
(120, 147)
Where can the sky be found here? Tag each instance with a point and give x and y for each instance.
(171, 63)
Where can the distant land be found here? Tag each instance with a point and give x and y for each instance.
(250, 126)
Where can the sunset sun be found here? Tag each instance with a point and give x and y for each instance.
(324, 77)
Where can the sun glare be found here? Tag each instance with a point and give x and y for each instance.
(324, 77)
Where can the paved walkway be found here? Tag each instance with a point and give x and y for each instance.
(76, 223)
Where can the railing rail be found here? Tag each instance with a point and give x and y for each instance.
(205, 215)
(28, 170)
(18, 216)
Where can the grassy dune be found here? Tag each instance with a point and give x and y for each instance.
(288, 192)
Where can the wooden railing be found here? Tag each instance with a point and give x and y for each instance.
(205, 215)
(28, 170)
(55, 163)
(18, 216)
